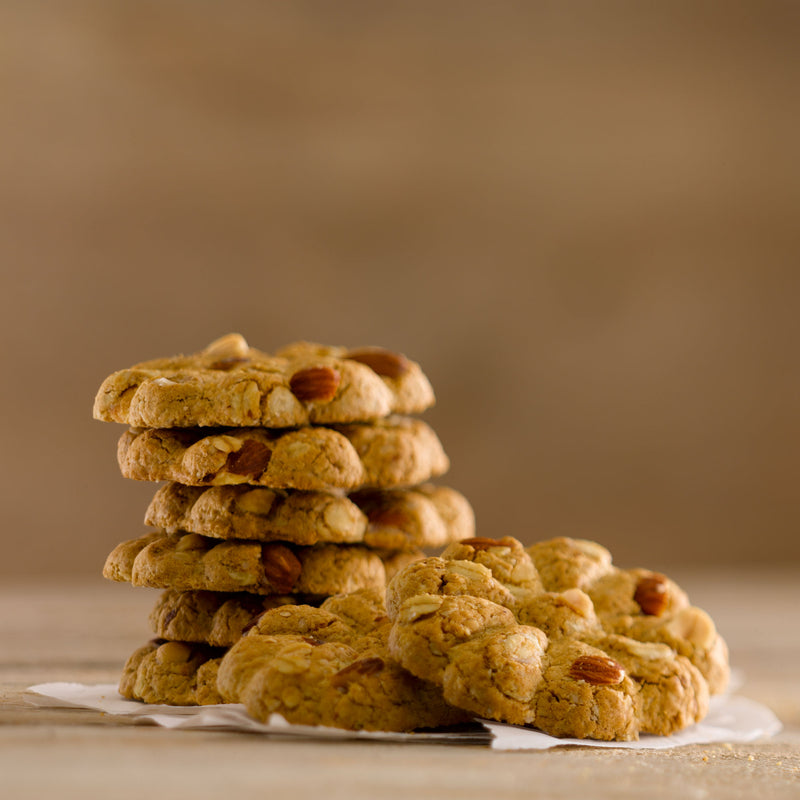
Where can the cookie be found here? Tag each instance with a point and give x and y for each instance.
(316, 667)
(391, 453)
(637, 603)
(232, 384)
(214, 618)
(446, 577)
(173, 673)
(401, 519)
(192, 562)
(547, 637)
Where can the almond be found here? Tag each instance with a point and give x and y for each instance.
(597, 670)
(173, 653)
(281, 567)
(484, 543)
(388, 517)
(315, 384)
(358, 669)
(382, 362)
(251, 459)
(234, 345)
(652, 594)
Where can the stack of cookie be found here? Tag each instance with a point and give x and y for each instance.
(287, 478)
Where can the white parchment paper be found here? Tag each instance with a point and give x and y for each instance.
(730, 719)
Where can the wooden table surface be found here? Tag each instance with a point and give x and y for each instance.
(82, 630)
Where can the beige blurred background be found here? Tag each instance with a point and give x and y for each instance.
(582, 219)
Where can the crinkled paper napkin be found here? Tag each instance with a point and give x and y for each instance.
(730, 719)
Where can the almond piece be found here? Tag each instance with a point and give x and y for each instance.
(652, 594)
(597, 670)
(173, 653)
(232, 346)
(358, 669)
(282, 568)
(484, 543)
(382, 362)
(315, 384)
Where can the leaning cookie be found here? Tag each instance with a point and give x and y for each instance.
(232, 384)
(315, 667)
(390, 453)
(172, 673)
(540, 654)
(390, 519)
(193, 562)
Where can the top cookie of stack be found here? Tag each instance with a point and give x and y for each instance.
(230, 384)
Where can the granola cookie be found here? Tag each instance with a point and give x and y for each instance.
(317, 667)
(215, 618)
(173, 673)
(519, 636)
(636, 603)
(390, 453)
(191, 562)
(231, 384)
(390, 519)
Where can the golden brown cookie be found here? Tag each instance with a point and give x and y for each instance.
(391, 453)
(173, 673)
(192, 562)
(389, 519)
(519, 638)
(446, 577)
(315, 667)
(214, 618)
(637, 603)
(232, 384)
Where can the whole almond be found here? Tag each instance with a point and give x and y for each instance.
(597, 670)
(383, 362)
(315, 384)
(652, 594)
(251, 459)
(281, 567)
(388, 517)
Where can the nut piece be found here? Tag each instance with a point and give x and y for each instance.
(484, 543)
(256, 501)
(281, 567)
(652, 594)
(694, 625)
(597, 670)
(190, 542)
(469, 570)
(173, 653)
(251, 459)
(364, 666)
(383, 362)
(318, 384)
(421, 605)
(388, 517)
(232, 347)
